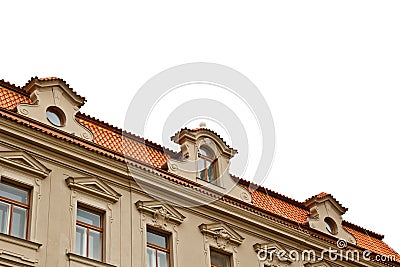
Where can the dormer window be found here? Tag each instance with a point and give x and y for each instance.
(55, 104)
(330, 225)
(55, 116)
(207, 165)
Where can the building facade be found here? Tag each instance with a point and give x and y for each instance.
(76, 191)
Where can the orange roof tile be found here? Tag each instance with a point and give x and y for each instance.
(111, 138)
(278, 206)
(373, 244)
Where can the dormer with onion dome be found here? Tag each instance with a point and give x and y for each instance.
(55, 104)
(205, 159)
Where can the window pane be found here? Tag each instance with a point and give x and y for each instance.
(208, 164)
(81, 240)
(158, 240)
(162, 259)
(200, 164)
(211, 173)
(151, 258)
(89, 217)
(94, 245)
(18, 225)
(206, 152)
(14, 193)
(53, 118)
(4, 217)
(203, 175)
(219, 259)
(203, 152)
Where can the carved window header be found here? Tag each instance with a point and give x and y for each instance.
(23, 161)
(161, 213)
(222, 233)
(93, 186)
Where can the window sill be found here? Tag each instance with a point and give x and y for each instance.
(20, 242)
(86, 261)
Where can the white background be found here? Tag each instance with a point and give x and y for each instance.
(329, 72)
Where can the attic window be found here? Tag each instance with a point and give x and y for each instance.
(207, 166)
(55, 116)
(331, 225)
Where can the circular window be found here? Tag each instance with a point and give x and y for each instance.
(331, 225)
(55, 116)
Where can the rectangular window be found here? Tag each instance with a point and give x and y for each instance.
(220, 259)
(14, 210)
(89, 234)
(158, 249)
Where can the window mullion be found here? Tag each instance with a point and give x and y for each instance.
(156, 257)
(11, 218)
(87, 242)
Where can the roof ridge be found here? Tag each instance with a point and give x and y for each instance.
(361, 229)
(125, 133)
(13, 87)
(268, 191)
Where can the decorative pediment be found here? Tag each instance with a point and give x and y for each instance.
(161, 213)
(222, 233)
(55, 104)
(93, 186)
(272, 254)
(24, 161)
(204, 135)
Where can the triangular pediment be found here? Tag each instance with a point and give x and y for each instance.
(221, 231)
(23, 160)
(157, 208)
(93, 186)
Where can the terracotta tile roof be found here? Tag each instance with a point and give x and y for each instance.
(113, 139)
(278, 206)
(108, 140)
(367, 241)
(10, 99)
(322, 195)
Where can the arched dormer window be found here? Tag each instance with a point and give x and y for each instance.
(207, 165)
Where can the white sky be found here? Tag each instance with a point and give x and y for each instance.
(329, 72)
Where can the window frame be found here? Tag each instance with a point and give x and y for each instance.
(13, 203)
(204, 159)
(229, 255)
(158, 248)
(89, 227)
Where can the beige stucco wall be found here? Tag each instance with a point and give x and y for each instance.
(55, 209)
